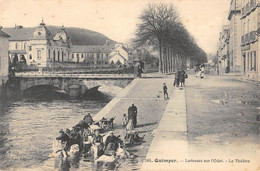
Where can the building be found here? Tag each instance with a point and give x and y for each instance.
(235, 36)
(250, 45)
(223, 50)
(92, 54)
(39, 46)
(120, 54)
(51, 46)
(4, 67)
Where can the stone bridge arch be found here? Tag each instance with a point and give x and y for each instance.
(72, 86)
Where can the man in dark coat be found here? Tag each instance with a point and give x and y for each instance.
(177, 78)
(183, 76)
(132, 114)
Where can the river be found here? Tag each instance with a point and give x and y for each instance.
(29, 125)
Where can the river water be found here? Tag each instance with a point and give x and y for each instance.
(29, 125)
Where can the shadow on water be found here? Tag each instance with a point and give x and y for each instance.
(50, 93)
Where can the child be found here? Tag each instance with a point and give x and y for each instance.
(165, 92)
(125, 119)
(130, 125)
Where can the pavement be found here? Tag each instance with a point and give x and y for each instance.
(170, 146)
(147, 95)
(210, 124)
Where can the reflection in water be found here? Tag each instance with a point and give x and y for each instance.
(29, 125)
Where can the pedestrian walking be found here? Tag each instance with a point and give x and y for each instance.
(202, 69)
(165, 93)
(132, 114)
(183, 76)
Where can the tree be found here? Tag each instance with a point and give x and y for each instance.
(154, 21)
(23, 60)
(161, 30)
(15, 59)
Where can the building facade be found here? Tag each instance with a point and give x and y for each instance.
(121, 54)
(235, 36)
(223, 52)
(57, 47)
(250, 45)
(4, 67)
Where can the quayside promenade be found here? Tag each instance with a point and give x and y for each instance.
(198, 128)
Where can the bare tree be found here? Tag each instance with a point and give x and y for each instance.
(161, 29)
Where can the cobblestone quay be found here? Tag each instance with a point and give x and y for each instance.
(147, 95)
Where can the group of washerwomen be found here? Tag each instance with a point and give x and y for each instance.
(86, 139)
(95, 142)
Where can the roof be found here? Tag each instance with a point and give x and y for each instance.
(78, 36)
(123, 47)
(92, 49)
(3, 34)
(20, 34)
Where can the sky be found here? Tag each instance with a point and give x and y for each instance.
(117, 19)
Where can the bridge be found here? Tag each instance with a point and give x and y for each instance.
(72, 84)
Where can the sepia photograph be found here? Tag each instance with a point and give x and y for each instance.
(146, 85)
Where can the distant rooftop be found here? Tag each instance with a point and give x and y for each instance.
(78, 36)
(3, 34)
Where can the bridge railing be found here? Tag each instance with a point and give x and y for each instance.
(72, 75)
(119, 71)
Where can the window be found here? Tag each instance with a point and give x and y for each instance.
(30, 48)
(244, 27)
(73, 56)
(39, 54)
(254, 58)
(248, 26)
(16, 46)
(253, 61)
(62, 55)
(49, 53)
(82, 55)
(58, 56)
(24, 46)
(54, 54)
(77, 57)
(247, 65)
(30, 56)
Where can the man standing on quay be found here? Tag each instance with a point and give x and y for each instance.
(132, 114)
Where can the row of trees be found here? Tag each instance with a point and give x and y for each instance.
(161, 30)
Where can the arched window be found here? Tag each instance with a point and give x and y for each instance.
(77, 57)
(58, 56)
(54, 54)
(39, 54)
